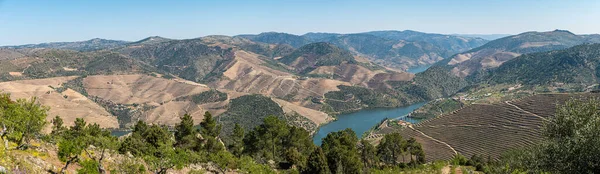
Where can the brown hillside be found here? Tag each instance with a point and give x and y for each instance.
(68, 105)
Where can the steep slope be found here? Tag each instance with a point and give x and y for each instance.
(248, 73)
(325, 60)
(268, 50)
(67, 103)
(400, 54)
(7, 54)
(88, 45)
(44, 63)
(494, 53)
(490, 129)
(576, 65)
(311, 56)
(189, 59)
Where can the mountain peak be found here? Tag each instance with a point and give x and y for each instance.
(152, 39)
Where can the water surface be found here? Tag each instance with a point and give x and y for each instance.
(362, 121)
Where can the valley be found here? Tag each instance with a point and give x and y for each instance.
(452, 95)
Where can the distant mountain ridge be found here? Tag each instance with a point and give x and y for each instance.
(484, 36)
(396, 49)
(88, 45)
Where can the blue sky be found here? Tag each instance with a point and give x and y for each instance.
(37, 21)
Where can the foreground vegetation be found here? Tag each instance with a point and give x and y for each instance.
(272, 147)
(569, 145)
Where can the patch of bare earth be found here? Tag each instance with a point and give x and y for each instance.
(130, 89)
(467, 63)
(68, 105)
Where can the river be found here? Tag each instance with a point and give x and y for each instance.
(363, 120)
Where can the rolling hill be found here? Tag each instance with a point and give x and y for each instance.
(575, 65)
(494, 53)
(312, 56)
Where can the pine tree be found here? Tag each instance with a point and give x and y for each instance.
(341, 152)
(368, 154)
(392, 146)
(209, 126)
(237, 140)
(317, 163)
(57, 126)
(185, 133)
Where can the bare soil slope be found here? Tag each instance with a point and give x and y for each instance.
(68, 105)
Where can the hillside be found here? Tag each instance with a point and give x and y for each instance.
(311, 56)
(45, 63)
(576, 65)
(400, 54)
(486, 129)
(453, 44)
(189, 59)
(494, 53)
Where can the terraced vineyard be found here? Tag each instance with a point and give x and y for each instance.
(433, 150)
(488, 129)
(536, 104)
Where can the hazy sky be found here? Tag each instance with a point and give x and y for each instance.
(36, 21)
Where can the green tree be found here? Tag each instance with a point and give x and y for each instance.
(185, 133)
(165, 157)
(341, 152)
(212, 144)
(88, 167)
(224, 160)
(391, 147)
(102, 141)
(368, 154)
(57, 126)
(23, 119)
(68, 152)
(85, 137)
(572, 138)
(135, 143)
(6, 106)
(570, 143)
(297, 145)
(209, 126)
(237, 140)
(317, 163)
(266, 140)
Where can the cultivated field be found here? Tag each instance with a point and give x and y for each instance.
(489, 129)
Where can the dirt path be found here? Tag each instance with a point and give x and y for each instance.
(436, 140)
(508, 103)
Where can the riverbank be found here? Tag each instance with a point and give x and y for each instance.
(362, 121)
